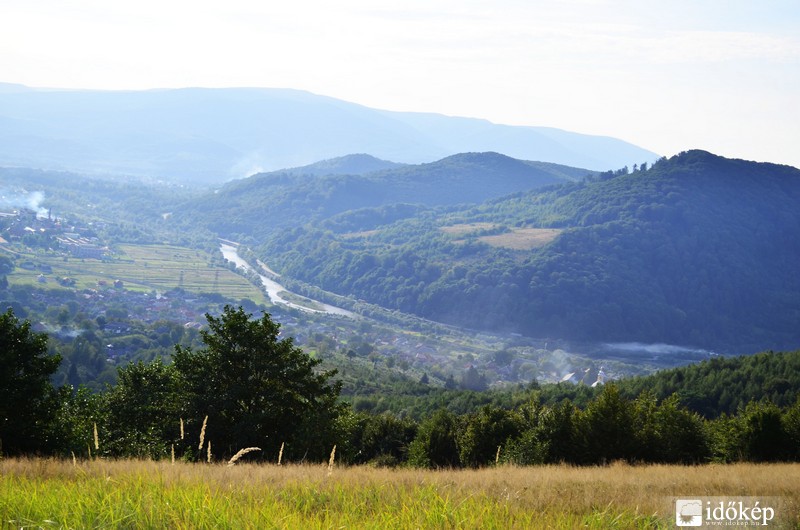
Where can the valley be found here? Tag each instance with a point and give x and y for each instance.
(526, 287)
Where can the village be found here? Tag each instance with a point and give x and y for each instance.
(439, 356)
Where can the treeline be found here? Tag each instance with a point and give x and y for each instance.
(248, 387)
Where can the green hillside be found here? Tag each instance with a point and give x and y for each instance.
(723, 385)
(697, 250)
(263, 204)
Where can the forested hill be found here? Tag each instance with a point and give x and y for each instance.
(264, 203)
(697, 250)
(724, 385)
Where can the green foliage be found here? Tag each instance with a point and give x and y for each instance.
(257, 389)
(28, 401)
(725, 385)
(144, 410)
(436, 445)
(78, 413)
(758, 433)
(381, 439)
(607, 428)
(485, 433)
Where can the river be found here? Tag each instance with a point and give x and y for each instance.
(274, 289)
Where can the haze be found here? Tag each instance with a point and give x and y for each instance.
(667, 76)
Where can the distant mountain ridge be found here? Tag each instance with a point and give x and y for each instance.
(214, 135)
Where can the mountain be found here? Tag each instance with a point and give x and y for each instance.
(209, 136)
(697, 250)
(258, 206)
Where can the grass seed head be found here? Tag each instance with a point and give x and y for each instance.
(332, 459)
(241, 453)
(203, 433)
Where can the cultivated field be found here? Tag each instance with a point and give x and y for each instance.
(141, 267)
(142, 494)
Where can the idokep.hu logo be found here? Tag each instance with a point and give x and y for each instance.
(725, 511)
(689, 512)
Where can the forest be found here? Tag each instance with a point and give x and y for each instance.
(696, 250)
(248, 386)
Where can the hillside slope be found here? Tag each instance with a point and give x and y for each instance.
(698, 250)
(258, 206)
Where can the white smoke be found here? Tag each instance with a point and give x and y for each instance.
(247, 166)
(17, 199)
(654, 349)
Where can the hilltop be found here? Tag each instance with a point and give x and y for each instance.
(295, 197)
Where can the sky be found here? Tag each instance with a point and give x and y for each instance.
(667, 75)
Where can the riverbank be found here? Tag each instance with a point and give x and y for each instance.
(277, 293)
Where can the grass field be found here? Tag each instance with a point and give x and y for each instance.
(522, 238)
(142, 267)
(514, 239)
(41, 493)
(463, 229)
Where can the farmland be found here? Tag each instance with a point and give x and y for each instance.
(138, 267)
(146, 494)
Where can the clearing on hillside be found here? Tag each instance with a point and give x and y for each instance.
(522, 238)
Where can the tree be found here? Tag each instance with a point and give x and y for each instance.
(257, 389)
(382, 439)
(144, 411)
(608, 427)
(484, 432)
(28, 401)
(435, 445)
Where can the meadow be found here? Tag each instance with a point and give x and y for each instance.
(47, 493)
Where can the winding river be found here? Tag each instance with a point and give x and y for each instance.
(274, 289)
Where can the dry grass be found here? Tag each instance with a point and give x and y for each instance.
(522, 238)
(160, 495)
(241, 453)
(464, 229)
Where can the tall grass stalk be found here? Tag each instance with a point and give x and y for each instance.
(241, 453)
(96, 438)
(182, 429)
(203, 433)
(209, 452)
(331, 460)
(280, 453)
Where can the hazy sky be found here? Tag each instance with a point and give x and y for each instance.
(666, 75)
